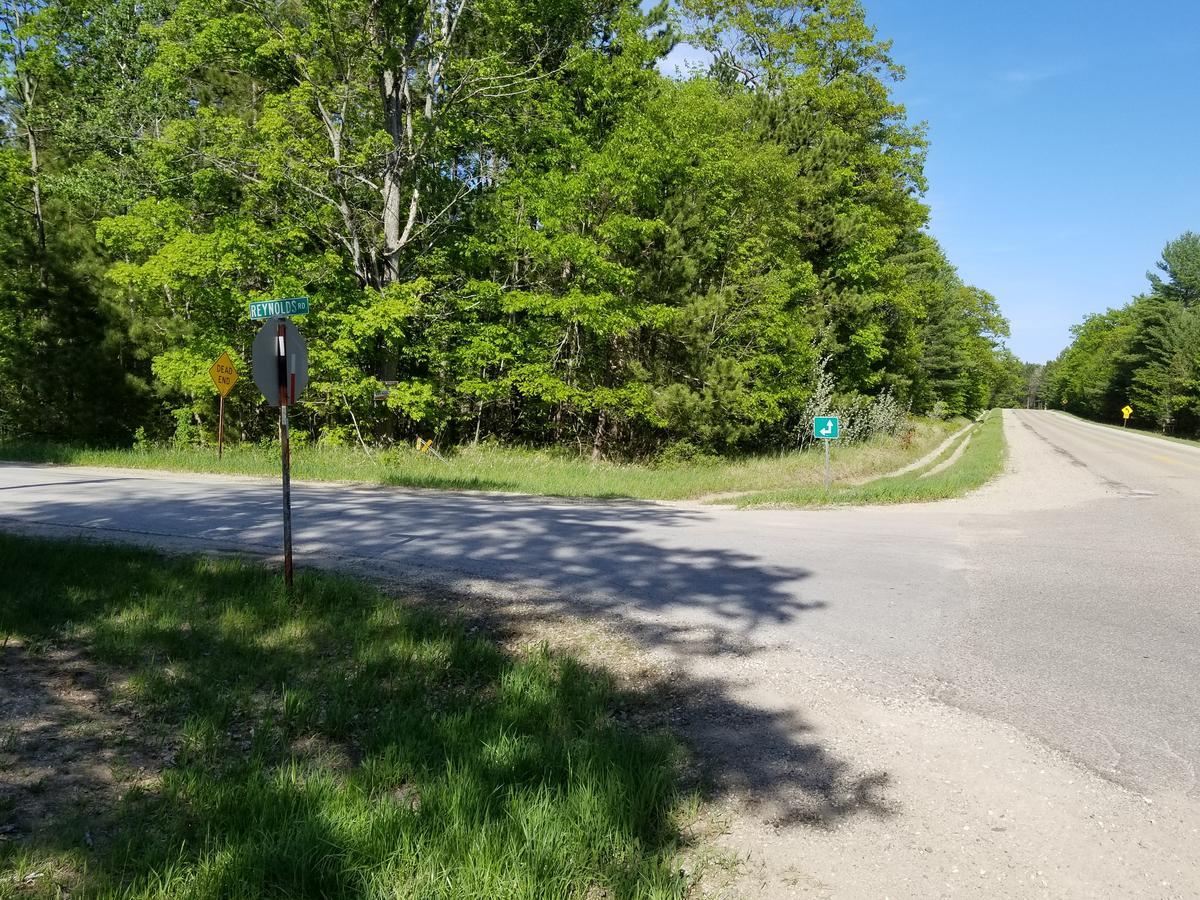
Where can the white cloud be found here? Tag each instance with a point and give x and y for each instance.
(1029, 76)
(1022, 80)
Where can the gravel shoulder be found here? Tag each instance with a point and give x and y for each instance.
(929, 799)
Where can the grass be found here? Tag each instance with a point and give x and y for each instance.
(981, 461)
(335, 743)
(510, 469)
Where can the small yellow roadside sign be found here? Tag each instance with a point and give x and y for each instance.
(1127, 411)
(223, 374)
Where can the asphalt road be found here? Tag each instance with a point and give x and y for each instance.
(1062, 599)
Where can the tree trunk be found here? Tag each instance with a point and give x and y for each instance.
(598, 440)
(397, 87)
(35, 176)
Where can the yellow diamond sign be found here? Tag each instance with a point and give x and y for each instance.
(224, 375)
(1127, 411)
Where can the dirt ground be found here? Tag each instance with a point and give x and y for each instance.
(68, 750)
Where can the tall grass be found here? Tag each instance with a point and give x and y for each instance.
(334, 743)
(511, 469)
(981, 461)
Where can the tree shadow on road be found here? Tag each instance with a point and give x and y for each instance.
(633, 566)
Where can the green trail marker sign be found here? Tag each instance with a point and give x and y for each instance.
(269, 309)
(827, 428)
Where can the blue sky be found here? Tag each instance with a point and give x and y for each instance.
(1064, 145)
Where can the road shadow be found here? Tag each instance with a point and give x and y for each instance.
(641, 568)
(772, 764)
(642, 560)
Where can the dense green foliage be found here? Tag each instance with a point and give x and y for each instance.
(502, 211)
(1145, 354)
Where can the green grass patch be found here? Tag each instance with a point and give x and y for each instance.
(510, 469)
(336, 743)
(981, 461)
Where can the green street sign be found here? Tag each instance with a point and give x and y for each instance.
(269, 309)
(827, 428)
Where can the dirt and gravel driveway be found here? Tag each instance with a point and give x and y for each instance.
(988, 697)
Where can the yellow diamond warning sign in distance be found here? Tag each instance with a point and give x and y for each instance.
(224, 375)
(1127, 411)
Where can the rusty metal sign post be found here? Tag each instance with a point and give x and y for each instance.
(281, 373)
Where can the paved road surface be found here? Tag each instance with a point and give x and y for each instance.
(1061, 601)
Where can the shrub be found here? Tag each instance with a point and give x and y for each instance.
(862, 418)
(685, 453)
